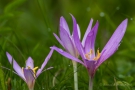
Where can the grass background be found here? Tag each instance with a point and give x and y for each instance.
(26, 28)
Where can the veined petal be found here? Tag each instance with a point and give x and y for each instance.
(87, 31)
(78, 30)
(90, 40)
(67, 55)
(76, 39)
(29, 63)
(44, 63)
(16, 67)
(113, 43)
(58, 39)
(64, 24)
(30, 78)
(67, 42)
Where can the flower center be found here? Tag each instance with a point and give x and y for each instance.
(34, 70)
(89, 55)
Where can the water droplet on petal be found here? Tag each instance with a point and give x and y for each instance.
(102, 14)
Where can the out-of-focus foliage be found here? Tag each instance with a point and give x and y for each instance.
(26, 29)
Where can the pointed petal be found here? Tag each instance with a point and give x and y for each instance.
(44, 63)
(87, 31)
(67, 55)
(67, 42)
(76, 39)
(78, 30)
(90, 40)
(29, 63)
(16, 67)
(113, 43)
(64, 24)
(58, 39)
(30, 78)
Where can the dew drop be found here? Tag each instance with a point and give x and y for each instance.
(49, 29)
(131, 18)
(102, 14)
(88, 9)
(43, 88)
(117, 8)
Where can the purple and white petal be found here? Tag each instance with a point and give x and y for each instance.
(29, 63)
(44, 63)
(58, 39)
(114, 42)
(87, 31)
(90, 40)
(76, 39)
(79, 33)
(64, 24)
(16, 67)
(67, 55)
(67, 41)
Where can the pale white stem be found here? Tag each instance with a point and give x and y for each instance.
(75, 75)
(90, 83)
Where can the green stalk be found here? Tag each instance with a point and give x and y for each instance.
(75, 75)
(90, 83)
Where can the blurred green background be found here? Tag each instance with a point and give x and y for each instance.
(27, 27)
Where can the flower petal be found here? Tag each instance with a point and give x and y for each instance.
(64, 24)
(30, 78)
(67, 55)
(91, 67)
(76, 39)
(90, 40)
(58, 39)
(29, 63)
(16, 67)
(114, 42)
(44, 63)
(87, 31)
(67, 42)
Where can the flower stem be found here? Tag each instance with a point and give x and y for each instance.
(90, 83)
(75, 75)
(31, 88)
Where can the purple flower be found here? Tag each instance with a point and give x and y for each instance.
(67, 41)
(28, 74)
(90, 58)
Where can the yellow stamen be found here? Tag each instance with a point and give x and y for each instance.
(97, 55)
(88, 55)
(28, 67)
(34, 69)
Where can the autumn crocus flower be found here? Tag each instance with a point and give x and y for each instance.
(28, 74)
(67, 41)
(92, 59)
